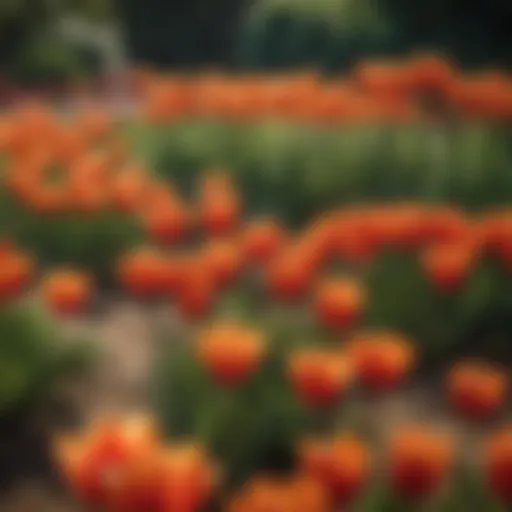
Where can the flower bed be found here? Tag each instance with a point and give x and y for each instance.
(282, 331)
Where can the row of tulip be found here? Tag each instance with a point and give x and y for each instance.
(126, 465)
(392, 90)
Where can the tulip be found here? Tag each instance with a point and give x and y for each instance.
(261, 240)
(497, 462)
(297, 492)
(188, 479)
(448, 265)
(142, 272)
(290, 275)
(66, 291)
(477, 389)
(231, 353)
(338, 302)
(223, 261)
(418, 462)
(166, 223)
(342, 464)
(94, 462)
(16, 269)
(319, 376)
(195, 289)
(219, 205)
(382, 359)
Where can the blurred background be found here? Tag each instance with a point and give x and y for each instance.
(283, 110)
(54, 43)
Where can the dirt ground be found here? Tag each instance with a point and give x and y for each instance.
(124, 331)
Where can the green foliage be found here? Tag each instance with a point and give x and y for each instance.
(32, 358)
(317, 167)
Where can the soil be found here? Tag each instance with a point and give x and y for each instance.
(125, 332)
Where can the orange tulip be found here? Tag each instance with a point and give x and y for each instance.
(95, 462)
(195, 289)
(290, 275)
(261, 240)
(338, 302)
(418, 462)
(219, 205)
(382, 359)
(497, 462)
(342, 464)
(138, 484)
(319, 376)
(16, 268)
(230, 352)
(188, 479)
(166, 223)
(431, 73)
(447, 265)
(476, 388)
(176, 267)
(142, 272)
(66, 291)
(297, 492)
(128, 189)
(223, 260)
